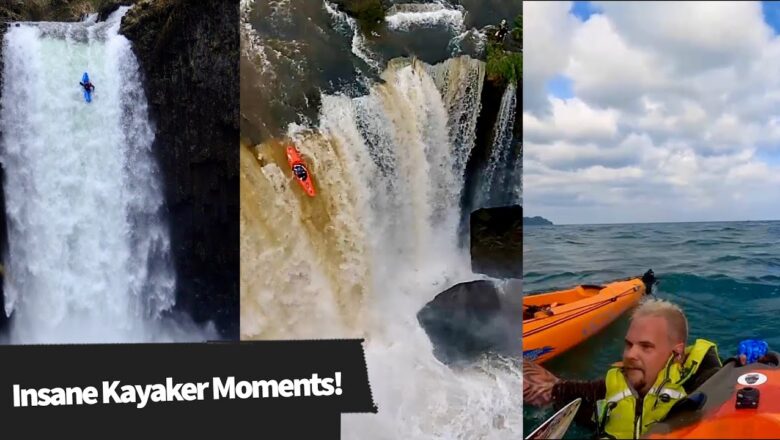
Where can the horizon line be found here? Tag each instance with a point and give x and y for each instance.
(655, 222)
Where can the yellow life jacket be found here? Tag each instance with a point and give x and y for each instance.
(617, 416)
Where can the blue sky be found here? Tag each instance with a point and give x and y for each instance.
(583, 10)
(771, 12)
(560, 86)
(650, 112)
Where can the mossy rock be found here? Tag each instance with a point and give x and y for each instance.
(369, 13)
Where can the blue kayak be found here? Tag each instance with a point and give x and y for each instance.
(87, 94)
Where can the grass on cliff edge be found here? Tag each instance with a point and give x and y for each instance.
(517, 31)
(503, 65)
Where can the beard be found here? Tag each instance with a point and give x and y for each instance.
(635, 376)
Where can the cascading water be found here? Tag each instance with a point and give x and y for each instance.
(406, 15)
(89, 253)
(377, 243)
(503, 166)
(345, 22)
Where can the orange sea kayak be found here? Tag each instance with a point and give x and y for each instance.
(555, 322)
(300, 171)
(736, 402)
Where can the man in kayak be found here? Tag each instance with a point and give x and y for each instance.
(88, 86)
(657, 371)
(299, 171)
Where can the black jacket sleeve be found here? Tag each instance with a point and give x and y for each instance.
(710, 365)
(589, 391)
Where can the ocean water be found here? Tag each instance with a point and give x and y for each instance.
(725, 276)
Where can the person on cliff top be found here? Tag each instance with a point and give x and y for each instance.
(502, 31)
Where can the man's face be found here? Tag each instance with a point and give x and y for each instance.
(648, 347)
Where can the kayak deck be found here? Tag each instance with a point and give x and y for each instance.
(555, 322)
(718, 415)
(538, 305)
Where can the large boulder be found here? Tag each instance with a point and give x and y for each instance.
(497, 241)
(471, 319)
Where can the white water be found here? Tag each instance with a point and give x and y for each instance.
(473, 37)
(402, 17)
(376, 244)
(359, 47)
(89, 251)
(496, 176)
(250, 41)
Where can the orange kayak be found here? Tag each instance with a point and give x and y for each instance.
(557, 321)
(736, 402)
(294, 159)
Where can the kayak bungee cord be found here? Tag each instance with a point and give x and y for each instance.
(587, 309)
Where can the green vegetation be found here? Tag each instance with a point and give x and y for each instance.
(503, 65)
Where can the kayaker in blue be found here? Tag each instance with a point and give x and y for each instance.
(658, 370)
(88, 86)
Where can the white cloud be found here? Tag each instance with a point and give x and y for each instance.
(547, 30)
(605, 69)
(673, 103)
(571, 119)
(696, 35)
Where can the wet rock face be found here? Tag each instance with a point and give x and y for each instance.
(490, 102)
(467, 320)
(4, 320)
(108, 7)
(370, 13)
(189, 54)
(492, 93)
(497, 242)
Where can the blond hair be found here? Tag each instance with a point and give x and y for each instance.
(678, 323)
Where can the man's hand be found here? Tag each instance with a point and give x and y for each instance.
(537, 384)
(768, 358)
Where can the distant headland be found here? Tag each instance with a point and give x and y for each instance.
(536, 221)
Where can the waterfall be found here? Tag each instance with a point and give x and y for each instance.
(89, 255)
(377, 242)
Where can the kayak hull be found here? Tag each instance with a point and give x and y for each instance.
(719, 416)
(87, 94)
(569, 317)
(294, 158)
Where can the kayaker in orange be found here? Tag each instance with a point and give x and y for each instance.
(299, 170)
(657, 371)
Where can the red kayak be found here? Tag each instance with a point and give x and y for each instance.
(300, 171)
